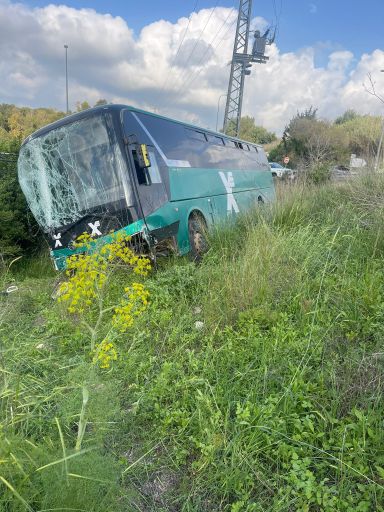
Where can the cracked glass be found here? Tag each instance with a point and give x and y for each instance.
(72, 170)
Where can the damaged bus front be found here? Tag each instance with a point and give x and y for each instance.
(74, 176)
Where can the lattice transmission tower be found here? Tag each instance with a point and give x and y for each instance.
(241, 64)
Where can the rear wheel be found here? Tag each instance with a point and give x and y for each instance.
(197, 229)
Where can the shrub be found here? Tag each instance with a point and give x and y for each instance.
(19, 231)
(318, 174)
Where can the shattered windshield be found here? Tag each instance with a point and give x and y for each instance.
(73, 169)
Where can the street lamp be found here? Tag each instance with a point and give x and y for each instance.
(66, 75)
(380, 141)
(218, 108)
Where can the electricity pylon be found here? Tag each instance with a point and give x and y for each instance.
(241, 64)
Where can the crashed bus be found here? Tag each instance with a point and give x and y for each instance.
(116, 168)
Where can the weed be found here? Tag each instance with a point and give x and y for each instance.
(275, 405)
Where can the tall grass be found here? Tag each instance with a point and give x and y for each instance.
(272, 401)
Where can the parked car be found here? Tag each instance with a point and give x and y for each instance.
(341, 172)
(278, 171)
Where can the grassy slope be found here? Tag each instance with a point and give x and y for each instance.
(274, 405)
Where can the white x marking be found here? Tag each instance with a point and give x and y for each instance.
(57, 238)
(94, 227)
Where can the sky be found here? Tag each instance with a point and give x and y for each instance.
(172, 56)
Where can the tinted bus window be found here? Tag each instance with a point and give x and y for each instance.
(213, 139)
(186, 145)
(153, 170)
(194, 134)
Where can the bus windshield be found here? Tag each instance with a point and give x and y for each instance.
(72, 170)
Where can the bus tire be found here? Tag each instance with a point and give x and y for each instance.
(197, 229)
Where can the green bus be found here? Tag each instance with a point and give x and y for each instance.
(115, 168)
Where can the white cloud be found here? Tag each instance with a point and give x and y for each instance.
(107, 60)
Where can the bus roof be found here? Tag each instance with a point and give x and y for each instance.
(118, 107)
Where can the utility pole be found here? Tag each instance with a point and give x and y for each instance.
(376, 167)
(218, 109)
(241, 62)
(377, 159)
(66, 75)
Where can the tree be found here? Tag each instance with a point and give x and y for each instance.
(23, 121)
(362, 135)
(251, 132)
(309, 141)
(5, 112)
(347, 116)
(83, 105)
(18, 229)
(101, 102)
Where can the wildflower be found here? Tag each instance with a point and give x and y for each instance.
(88, 274)
(104, 353)
(134, 303)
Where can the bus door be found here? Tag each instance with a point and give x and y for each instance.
(149, 183)
(149, 179)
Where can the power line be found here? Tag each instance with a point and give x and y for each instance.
(181, 42)
(194, 74)
(277, 16)
(197, 41)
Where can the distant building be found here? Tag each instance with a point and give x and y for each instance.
(357, 163)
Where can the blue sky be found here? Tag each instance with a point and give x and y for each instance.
(126, 51)
(326, 25)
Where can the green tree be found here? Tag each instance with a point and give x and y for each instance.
(347, 116)
(18, 229)
(101, 102)
(5, 112)
(362, 134)
(82, 105)
(251, 132)
(23, 121)
(310, 141)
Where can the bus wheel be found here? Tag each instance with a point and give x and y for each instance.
(197, 229)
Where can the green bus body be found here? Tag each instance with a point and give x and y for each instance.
(161, 207)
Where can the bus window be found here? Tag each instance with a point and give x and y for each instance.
(183, 146)
(194, 134)
(141, 172)
(213, 139)
(154, 172)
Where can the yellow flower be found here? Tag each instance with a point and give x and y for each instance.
(88, 271)
(104, 353)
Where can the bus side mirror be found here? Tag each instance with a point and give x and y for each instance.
(142, 156)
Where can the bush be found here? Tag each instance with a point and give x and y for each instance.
(318, 174)
(19, 231)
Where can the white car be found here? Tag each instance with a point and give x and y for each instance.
(278, 171)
